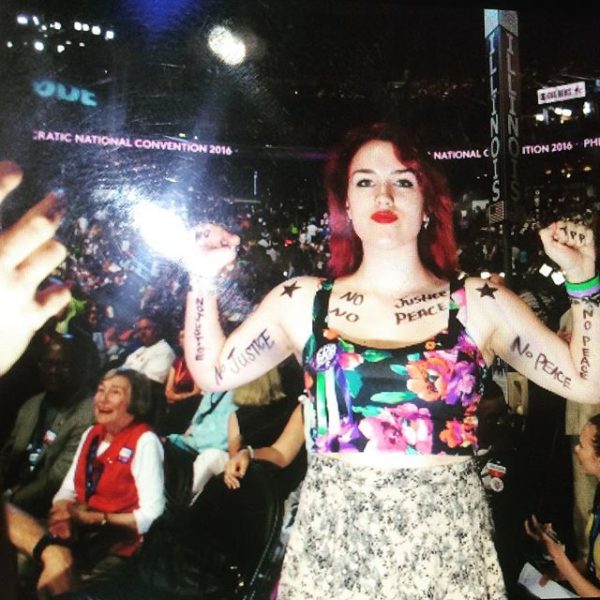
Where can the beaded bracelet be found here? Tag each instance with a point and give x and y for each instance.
(585, 289)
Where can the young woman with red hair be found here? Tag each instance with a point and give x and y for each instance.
(395, 349)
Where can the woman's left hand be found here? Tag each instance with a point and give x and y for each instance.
(571, 247)
(236, 468)
(81, 515)
(171, 397)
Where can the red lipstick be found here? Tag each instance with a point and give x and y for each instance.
(384, 216)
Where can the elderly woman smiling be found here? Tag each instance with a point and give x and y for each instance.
(114, 489)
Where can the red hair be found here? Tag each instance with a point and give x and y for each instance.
(436, 243)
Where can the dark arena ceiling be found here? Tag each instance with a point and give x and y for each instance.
(312, 70)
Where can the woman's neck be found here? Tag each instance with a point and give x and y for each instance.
(396, 272)
(110, 432)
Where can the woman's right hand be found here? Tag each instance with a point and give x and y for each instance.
(214, 248)
(545, 534)
(59, 519)
(236, 468)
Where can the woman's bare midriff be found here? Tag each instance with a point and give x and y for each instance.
(395, 460)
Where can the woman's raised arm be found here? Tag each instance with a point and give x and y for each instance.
(275, 329)
(513, 331)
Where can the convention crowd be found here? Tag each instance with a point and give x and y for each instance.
(126, 313)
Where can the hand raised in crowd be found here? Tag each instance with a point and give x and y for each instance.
(571, 246)
(28, 254)
(235, 469)
(214, 249)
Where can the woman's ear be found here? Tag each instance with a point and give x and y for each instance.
(596, 467)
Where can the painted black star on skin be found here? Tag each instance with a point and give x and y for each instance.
(288, 290)
(487, 290)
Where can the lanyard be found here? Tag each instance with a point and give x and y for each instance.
(214, 402)
(93, 469)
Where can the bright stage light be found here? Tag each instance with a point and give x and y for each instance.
(39, 46)
(96, 30)
(226, 45)
(164, 231)
(109, 35)
(22, 19)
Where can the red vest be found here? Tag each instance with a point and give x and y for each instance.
(115, 490)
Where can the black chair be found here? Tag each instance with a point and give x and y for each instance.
(244, 525)
(221, 548)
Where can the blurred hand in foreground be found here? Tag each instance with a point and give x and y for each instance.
(28, 254)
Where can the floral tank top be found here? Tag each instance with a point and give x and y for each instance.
(418, 399)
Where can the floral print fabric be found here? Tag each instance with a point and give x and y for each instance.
(415, 400)
(402, 534)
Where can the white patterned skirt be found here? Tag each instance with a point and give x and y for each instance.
(371, 534)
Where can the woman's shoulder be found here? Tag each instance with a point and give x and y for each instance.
(290, 303)
(297, 290)
(304, 282)
(486, 291)
(489, 305)
(149, 440)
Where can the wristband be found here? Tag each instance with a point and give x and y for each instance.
(250, 452)
(584, 289)
(593, 299)
(47, 540)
